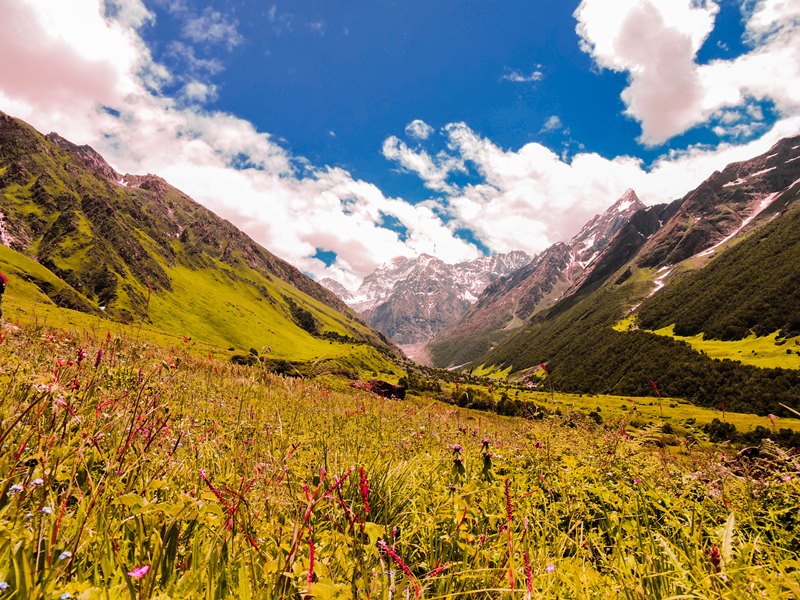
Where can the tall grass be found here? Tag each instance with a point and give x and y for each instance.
(128, 470)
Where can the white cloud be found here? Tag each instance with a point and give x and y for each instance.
(419, 129)
(656, 43)
(433, 171)
(317, 27)
(189, 60)
(552, 123)
(66, 61)
(517, 77)
(199, 92)
(530, 198)
(212, 26)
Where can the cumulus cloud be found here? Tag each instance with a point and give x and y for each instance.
(530, 197)
(419, 129)
(656, 43)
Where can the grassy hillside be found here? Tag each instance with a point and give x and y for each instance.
(135, 250)
(141, 472)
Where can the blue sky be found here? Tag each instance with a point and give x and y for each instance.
(341, 134)
(331, 80)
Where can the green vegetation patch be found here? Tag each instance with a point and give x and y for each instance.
(767, 352)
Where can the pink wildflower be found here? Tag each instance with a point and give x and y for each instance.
(399, 561)
(139, 572)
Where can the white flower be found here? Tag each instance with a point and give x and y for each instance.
(16, 489)
(37, 481)
(65, 555)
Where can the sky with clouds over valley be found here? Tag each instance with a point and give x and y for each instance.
(341, 134)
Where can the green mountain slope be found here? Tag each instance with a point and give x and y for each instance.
(136, 250)
(729, 282)
(752, 287)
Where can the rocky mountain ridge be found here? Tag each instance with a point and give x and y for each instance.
(410, 299)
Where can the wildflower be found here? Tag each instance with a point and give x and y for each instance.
(509, 506)
(65, 555)
(364, 487)
(3, 586)
(399, 561)
(714, 557)
(81, 355)
(485, 444)
(528, 576)
(16, 489)
(139, 572)
(786, 478)
(37, 481)
(65, 596)
(537, 445)
(457, 448)
(99, 358)
(636, 480)
(47, 510)
(310, 578)
(550, 568)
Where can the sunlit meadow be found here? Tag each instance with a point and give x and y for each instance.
(133, 471)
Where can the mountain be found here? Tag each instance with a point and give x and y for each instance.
(722, 262)
(410, 299)
(510, 301)
(337, 288)
(134, 249)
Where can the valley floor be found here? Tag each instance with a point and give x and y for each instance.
(133, 470)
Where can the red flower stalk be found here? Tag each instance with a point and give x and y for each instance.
(403, 567)
(337, 482)
(528, 576)
(509, 505)
(509, 516)
(438, 570)
(364, 486)
(310, 578)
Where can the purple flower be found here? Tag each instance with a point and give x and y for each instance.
(139, 572)
(550, 568)
(457, 448)
(99, 358)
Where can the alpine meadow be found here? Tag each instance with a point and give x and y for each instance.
(399, 300)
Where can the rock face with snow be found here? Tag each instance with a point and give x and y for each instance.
(723, 204)
(337, 288)
(410, 299)
(510, 301)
